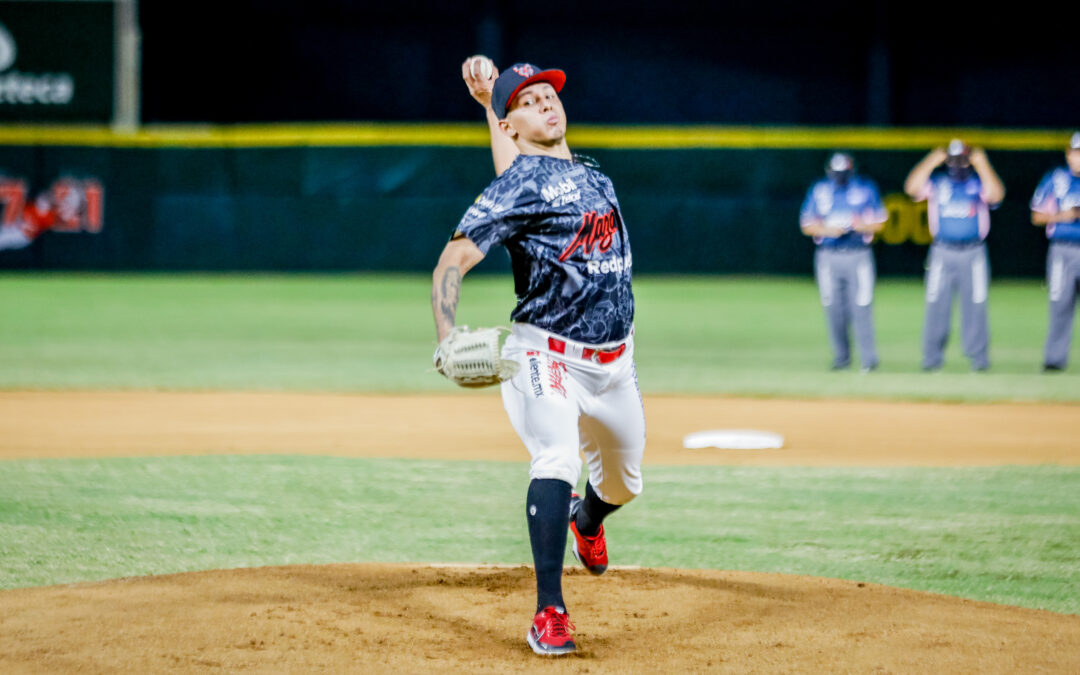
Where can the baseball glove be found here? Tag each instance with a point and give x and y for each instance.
(470, 358)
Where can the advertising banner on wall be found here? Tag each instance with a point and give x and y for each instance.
(57, 61)
(302, 208)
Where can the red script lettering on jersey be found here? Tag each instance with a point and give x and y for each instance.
(596, 232)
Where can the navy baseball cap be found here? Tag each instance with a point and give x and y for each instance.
(517, 77)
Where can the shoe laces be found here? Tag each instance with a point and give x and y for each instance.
(597, 543)
(558, 624)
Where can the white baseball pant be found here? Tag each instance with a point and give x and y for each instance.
(569, 399)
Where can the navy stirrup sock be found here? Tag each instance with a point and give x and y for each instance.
(547, 509)
(592, 512)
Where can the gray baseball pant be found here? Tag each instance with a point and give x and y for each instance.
(1062, 279)
(964, 270)
(845, 279)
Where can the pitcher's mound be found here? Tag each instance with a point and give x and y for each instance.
(400, 618)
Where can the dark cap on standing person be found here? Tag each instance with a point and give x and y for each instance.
(517, 77)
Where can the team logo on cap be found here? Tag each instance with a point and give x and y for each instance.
(525, 70)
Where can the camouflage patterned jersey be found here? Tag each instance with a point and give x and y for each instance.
(560, 222)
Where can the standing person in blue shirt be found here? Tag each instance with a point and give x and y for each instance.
(959, 199)
(1056, 206)
(576, 390)
(842, 212)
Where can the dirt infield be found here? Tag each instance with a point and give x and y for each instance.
(380, 618)
(474, 426)
(385, 618)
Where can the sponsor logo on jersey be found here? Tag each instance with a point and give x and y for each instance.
(823, 197)
(534, 376)
(958, 210)
(26, 88)
(597, 233)
(488, 204)
(561, 193)
(483, 206)
(1062, 183)
(615, 263)
(857, 196)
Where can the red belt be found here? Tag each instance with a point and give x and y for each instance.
(599, 355)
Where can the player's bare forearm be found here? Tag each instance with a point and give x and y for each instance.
(822, 230)
(1042, 219)
(458, 257)
(445, 294)
(921, 173)
(480, 84)
(993, 188)
(869, 227)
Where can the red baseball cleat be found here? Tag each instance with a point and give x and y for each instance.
(589, 551)
(550, 632)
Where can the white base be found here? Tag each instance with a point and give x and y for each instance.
(733, 439)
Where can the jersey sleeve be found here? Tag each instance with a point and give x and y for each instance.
(808, 213)
(496, 214)
(1044, 200)
(875, 210)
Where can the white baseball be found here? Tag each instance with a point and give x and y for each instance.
(486, 67)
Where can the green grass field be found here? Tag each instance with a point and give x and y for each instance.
(1003, 534)
(744, 336)
(1006, 535)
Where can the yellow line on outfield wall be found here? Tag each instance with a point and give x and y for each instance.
(635, 137)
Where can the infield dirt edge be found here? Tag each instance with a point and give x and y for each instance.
(409, 618)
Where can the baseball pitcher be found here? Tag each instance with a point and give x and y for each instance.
(572, 387)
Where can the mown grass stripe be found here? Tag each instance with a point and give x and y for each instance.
(1003, 534)
(720, 335)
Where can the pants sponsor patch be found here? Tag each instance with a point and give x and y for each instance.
(534, 377)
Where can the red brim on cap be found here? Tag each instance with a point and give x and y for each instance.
(556, 78)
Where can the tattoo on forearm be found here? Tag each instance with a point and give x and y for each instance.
(450, 293)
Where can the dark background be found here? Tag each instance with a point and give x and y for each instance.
(75, 40)
(665, 61)
(694, 210)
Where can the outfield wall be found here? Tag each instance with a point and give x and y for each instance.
(370, 197)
